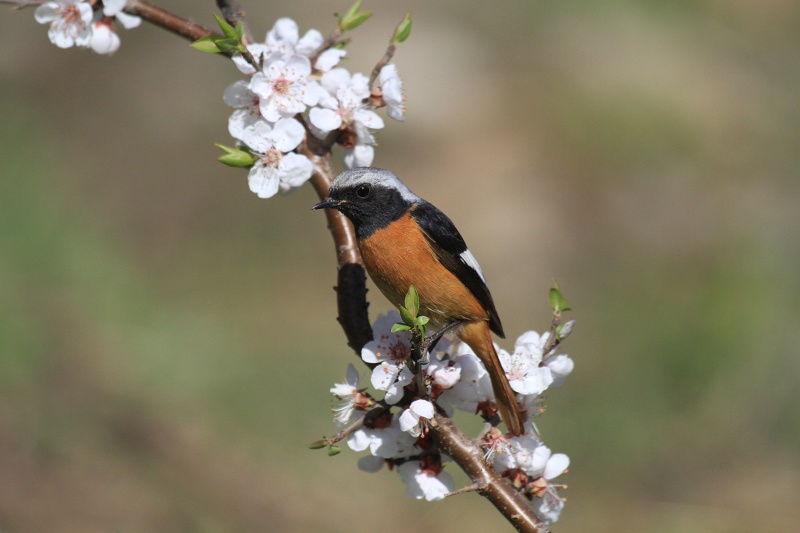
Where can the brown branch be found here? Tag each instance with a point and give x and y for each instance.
(351, 286)
(165, 19)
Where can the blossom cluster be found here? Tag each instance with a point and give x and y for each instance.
(296, 79)
(457, 380)
(84, 24)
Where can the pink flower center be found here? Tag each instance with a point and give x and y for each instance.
(281, 86)
(272, 158)
(70, 14)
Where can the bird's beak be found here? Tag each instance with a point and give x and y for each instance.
(327, 202)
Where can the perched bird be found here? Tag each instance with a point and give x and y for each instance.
(405, 241)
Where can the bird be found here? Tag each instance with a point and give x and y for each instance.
(405, 240)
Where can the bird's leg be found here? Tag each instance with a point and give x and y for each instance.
(433, 339)
(420, 353)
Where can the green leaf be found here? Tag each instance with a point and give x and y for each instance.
(235, 157)
(356, 21)
(207, 44)
(227, 45)
(352, 10)
(557, 301)
(407, 317)
(353, 18)
(334, 450)
(318, 445)
(412, 300)
(240, 29)
(422, 320)
(399, 326)
(403, 30)
(229, 31)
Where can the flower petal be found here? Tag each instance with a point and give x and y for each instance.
(325, 119)
(284, 29)
(309, 42)
(361, 155)
(46, 12)
(263, 180)
(422, 408)
(329, 59)
(408, 421)
(287, 134)
(295, 170)
(556, 466)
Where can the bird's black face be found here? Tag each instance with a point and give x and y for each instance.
(368, 205)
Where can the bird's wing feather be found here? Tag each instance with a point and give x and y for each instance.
(452, 252)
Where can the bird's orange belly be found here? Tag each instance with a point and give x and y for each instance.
(398, 255)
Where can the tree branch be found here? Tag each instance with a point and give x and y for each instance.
(165, 19)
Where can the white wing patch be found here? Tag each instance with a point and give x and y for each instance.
(470, 260)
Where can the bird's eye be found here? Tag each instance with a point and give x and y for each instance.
(363, 191)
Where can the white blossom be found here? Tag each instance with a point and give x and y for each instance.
(342, 106)
(70, 22)
(560, 367)
(275, 169)
(360, 155)
(392, 91)
(523, 369)
(114, 8)
(349, 395)
(413, 419)
(284, 87)
(390, 351)
(387, 442)
(425, 483)
(248, 112)
(104, 39)
(474, 385)
(444, 372)
(284, 40)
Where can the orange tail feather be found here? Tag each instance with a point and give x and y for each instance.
(479, 338)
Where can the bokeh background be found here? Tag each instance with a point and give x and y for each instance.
(167, 339)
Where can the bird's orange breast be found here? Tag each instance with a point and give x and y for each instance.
(398, 255)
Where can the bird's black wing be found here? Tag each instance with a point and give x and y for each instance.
(450, 248)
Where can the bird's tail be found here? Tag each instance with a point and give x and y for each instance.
(479, 338)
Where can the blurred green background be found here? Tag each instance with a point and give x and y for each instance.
(167, 339)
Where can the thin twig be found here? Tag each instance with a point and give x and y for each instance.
(17, 5)
(346, 431)
(469, 488)
(553, 341)
(382, 63)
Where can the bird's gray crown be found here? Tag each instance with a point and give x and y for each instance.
(374, 176)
